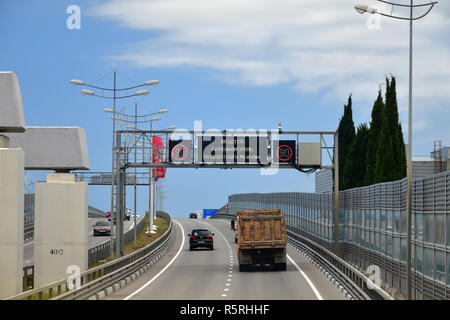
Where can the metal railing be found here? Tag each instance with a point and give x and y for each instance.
(372, 227)
(105, 274)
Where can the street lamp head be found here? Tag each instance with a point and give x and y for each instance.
(163, 111)
(155, 119)
(86, 91)
(77, 82)
(152, 82)
(172, 127)
(363, 8)
(108, 110)
(142, 93)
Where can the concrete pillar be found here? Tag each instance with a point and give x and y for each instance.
(12, 162)
(60, 227)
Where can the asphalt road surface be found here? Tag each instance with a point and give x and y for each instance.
(213, 275)
(28, 248)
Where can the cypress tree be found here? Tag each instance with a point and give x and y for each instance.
(399, 170)
(346, 131)
(391, 156)
(356, 162)
(401, 155)
(373, 140)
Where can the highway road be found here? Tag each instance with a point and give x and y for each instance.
(28, 248)
(213, 275)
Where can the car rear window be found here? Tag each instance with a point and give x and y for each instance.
(201, 232)
(101, 223)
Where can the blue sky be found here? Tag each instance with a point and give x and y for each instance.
(231, 64)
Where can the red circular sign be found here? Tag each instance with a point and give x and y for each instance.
(284, 158)
(175, 154)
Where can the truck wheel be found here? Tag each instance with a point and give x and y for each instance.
(280, 266)
(244, 267)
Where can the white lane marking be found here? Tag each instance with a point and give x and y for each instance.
(230, 252)
(164, 269)
(313, 287)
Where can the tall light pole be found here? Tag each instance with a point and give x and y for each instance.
(135, 127)
(366, 9)
(114, 97)
(152, 182)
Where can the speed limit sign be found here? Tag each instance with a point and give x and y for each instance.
(284, 151)
(180, 151)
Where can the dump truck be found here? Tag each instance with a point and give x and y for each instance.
(261, 239)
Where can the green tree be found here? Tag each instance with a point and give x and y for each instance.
(391, 156)
(346, 131)
(399, 170)
(356, 162)
(373, 140)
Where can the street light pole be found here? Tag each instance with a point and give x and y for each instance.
(409, 165)
(366, 9)
(135, 174)
(152, 182)
(115, 154)
(113, 214)
(152, 186)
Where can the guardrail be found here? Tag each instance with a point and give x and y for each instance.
(358, 285)
(94, 279)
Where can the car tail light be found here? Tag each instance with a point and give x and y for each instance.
(209, 237)
(281, 254)
(192, 237)
(244, 256)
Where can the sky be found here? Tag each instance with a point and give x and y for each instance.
(228, 63)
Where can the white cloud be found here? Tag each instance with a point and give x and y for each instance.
(310, 45)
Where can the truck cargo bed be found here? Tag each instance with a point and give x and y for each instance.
(261, 229)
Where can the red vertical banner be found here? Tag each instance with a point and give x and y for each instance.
(157, 155)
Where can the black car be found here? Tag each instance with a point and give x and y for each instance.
(193, 216)
(201, 238)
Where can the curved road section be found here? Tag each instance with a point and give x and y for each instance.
(214, 275)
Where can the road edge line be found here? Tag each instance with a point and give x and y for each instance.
(164, 269)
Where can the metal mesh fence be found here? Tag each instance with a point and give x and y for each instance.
(372, 229)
